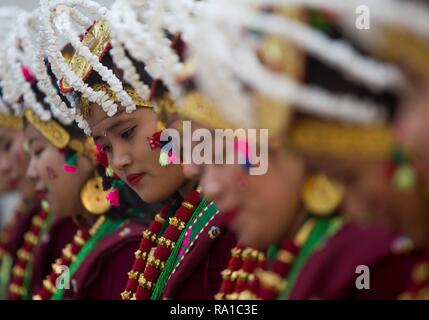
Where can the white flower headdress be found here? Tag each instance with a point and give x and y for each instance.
(24, 66)
(141, 27)
(226, 64)
(63, 21)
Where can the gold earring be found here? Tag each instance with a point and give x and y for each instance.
(321, 195)
(93, 196)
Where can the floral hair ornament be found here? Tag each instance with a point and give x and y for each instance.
(58, 23)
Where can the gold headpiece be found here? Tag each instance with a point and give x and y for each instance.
(201, 109)
(97, 39)
(277, 54)
(59, 137)
(404, 48)
(10, 121)
(323, 138)
(51, 129)
(85, 109)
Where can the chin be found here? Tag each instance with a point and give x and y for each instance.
(256, 242)
(149, 196)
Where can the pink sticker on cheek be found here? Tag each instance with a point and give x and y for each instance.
(51, 173)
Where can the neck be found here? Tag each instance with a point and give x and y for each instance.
(185, 188)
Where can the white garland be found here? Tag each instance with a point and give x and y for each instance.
(146, 40)
(338, 54)
(412, 16)
(43, 81)
(220, 48)
(56, 21)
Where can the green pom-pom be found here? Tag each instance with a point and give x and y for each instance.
(163, 159)
(45, 205)
(109, 171)
(72, 160)
(405, 178)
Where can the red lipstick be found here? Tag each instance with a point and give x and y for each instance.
(134, 179)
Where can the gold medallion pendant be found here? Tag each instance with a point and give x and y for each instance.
(321, 195)
(93, 196)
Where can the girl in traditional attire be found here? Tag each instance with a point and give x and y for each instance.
(76, 249)
(186, 246)
(296, 204)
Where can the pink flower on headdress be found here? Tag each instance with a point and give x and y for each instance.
(29, 77)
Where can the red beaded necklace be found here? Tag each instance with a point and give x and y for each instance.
(238, 276)
(249, 277)
(154, 249)
(17, 291)
(272, 281)
(69, 254)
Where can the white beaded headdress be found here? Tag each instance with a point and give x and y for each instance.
(62, 21)
(226, 64)
(8, 17)
(24, 66)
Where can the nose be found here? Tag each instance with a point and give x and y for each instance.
(191, 171)
(32, 173)
(210, 183)
(4, 162)
(120, 159)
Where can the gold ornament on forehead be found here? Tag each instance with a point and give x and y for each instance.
(196, 107)
(51, 129)
(85, 104)
(97, 39)
(327, 138)
(10, 121)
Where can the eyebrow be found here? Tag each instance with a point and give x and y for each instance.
(111, 127)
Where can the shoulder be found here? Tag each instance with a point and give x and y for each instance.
(103, 274)
(200, 267)
(332, 270)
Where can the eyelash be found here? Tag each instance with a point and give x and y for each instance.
(37, 152)
(128, 133)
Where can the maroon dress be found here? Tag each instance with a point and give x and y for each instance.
(104, 273)
(14, 232)
(331, 272)
(51, 244)
(199, 275)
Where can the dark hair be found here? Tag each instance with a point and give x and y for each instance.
(4, 102)
(320, 74)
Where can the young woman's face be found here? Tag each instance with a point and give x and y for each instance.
(14, 163)
(60, 188)
(262, 209)
(124, 137)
